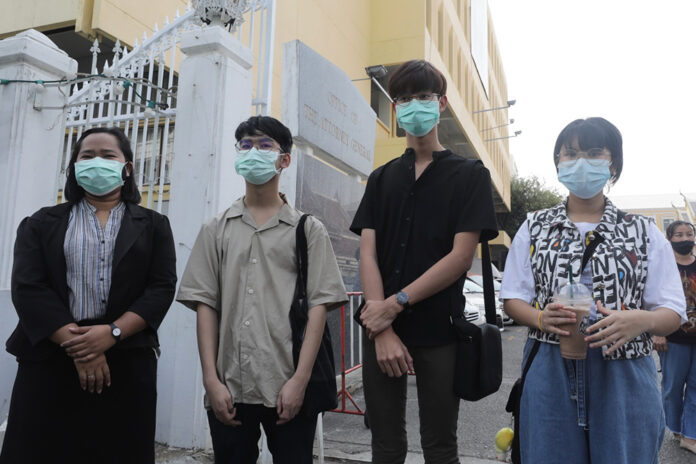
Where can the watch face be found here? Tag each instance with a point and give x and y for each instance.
(402, 298)
(116, 332)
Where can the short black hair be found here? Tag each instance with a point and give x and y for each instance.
(129, 192)
(416, 76)
(257, 125)
(593, 133)
(673, 226)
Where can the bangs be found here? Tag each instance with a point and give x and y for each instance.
(416, 76)
(587, 136)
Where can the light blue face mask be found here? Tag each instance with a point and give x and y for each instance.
(584, 178)
(256, 166)
(99, 176)
(417, 117)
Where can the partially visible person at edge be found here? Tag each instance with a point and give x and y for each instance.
(678, 351)
(605, 408)
(91, 282)
(240, 279)
(420, 221)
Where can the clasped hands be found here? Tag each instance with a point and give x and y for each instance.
(392, 355)
(615, 329)
(87, 349)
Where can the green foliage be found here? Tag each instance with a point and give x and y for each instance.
(526, 194)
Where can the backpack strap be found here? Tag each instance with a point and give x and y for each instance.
(302, 256)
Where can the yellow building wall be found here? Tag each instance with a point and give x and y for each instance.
(338, 30)
(19, 15)
(129, 19)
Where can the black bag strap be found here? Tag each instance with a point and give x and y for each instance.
(595, 240)
(488, 290)
(528, 364)
(302, 259)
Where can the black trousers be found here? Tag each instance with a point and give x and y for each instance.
(51, 420)
(290, 443)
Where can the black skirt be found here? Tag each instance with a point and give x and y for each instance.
(52, 420)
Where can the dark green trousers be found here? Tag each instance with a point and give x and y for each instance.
(438, 406)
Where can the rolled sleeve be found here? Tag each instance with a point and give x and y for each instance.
(518, 280)
(365, 215)
(199, 284)
(324, 282)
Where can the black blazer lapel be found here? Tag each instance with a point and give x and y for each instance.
(132, 225)
(53, 236)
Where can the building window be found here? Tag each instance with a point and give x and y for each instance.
(380, 103)
(666, 222)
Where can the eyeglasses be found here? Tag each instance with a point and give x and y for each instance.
(421, 97)
(264, 145)
(591, 154)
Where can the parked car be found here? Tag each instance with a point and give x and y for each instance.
(478, 280)
(473, 314)
(474, 295)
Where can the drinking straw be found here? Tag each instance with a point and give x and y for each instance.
(570, 276)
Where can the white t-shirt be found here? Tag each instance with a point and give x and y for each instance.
(663, 287)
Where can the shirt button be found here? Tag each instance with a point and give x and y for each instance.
(254, 260)
(408, 218)
(410, 194)
(403, 245)
(251, 291)
(244, 356)
(103, 301)
(247, 323)
(397, 272)
(102, 241)
(101, 278)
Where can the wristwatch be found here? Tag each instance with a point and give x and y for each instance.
(402, 299)
(115, 332)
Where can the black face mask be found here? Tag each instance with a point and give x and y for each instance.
(684, 247)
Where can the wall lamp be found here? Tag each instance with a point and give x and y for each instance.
(509, 104)
(512, 121)
(501, 138)
(374, 73)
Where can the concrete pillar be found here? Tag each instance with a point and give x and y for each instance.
(30, 141)
(215, 90)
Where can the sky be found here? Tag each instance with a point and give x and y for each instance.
(632, 62)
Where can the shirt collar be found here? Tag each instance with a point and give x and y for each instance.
(410, 155)
(287, 213)
(84, 203)
(605, 227)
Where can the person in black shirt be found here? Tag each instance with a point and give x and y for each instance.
(420, 220)
(678, 350)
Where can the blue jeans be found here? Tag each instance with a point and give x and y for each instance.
(571, 411)
(679, 388)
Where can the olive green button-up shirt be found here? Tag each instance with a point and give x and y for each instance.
(247, 274)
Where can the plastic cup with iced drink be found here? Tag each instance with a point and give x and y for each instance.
(577, 298)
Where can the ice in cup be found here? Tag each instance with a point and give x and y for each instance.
(578, 298)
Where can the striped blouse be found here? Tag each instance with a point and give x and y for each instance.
(89, 252)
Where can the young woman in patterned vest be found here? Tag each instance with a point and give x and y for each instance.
(607, 407)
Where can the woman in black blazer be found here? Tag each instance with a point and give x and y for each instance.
(91, 282)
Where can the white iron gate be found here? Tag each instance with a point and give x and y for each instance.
(137, 92)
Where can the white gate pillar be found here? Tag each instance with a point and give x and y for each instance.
(214, 96)
(30, 141)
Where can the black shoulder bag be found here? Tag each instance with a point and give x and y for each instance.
(479, 363)
(321, 393)
(513, 403)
